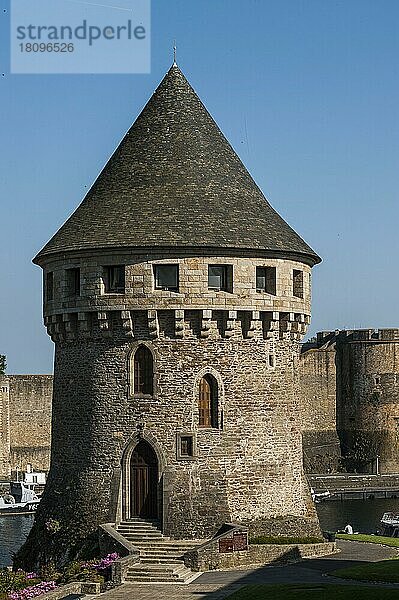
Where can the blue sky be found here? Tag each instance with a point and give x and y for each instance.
(306, 91)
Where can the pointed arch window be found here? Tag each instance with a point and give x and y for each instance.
(143, 378)
(208, 402)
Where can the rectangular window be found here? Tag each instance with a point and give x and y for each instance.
(266, 280)
(220, 278)
(114, 279)
(49, 286)
(297, 288)
(186, 445)
(73, 282)
(166, 277)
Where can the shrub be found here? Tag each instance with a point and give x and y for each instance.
(79, 571)
(15, 580)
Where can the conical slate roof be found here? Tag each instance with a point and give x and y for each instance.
(175, 181)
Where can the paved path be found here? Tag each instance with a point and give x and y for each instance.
(216, 585)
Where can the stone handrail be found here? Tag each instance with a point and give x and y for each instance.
(112, 541)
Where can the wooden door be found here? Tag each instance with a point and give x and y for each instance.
(144, 482)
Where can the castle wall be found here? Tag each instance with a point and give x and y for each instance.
(350, 382)
(368, 400)
(5, 464)
(25, 422)
(317, 380)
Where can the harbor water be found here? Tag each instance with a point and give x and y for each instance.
(363, 515)
(13, 533)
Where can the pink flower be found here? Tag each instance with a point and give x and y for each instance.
(33, 591)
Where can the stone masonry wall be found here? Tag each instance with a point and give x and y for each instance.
(317, 379)
(368, 401)
(30, 420)
(250, 471)
(5, 469)
(350, 382)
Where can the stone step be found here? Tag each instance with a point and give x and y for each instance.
(155, 553)
(157, 534)
(160, 561)
(139, 527)
(148, 574)
(166, 568)
(137, 534)
(183, 578)
(165, 544)
(140, 520)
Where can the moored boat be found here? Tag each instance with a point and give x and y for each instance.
(22, 499)
(390, 524)
(319, 496)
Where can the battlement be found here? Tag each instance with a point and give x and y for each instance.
(324, 339)
(177, 324)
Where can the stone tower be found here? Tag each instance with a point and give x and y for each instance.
(368, 399)
(176, 297)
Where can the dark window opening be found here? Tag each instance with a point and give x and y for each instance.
(114, 279)
(297, 283)
(166, 277)
(73, 282)
(186, 445)
(208, 402)
(271, 360)
(220, 278)
(266, 280)
(377, 380)
(143, 371)
(49, 286)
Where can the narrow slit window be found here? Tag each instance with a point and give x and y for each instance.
(49, 286)
(143, 371)
(114, 279)
(166, 277)
(266, 280)
(73, 282)
(297, 283)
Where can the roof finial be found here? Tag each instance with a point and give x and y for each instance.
(174, 54)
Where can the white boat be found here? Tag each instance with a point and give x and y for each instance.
(319, 496)
(390, 524)
(22, 499)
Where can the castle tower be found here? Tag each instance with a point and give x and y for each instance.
(368, 399)
(176, 297)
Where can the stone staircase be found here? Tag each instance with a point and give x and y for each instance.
(161, 558)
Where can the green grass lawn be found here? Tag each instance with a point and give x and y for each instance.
(373, 539)
(384, 570)
(302, 591)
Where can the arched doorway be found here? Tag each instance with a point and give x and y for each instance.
(144, 482)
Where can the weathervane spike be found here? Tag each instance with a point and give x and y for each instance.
(174, 53)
